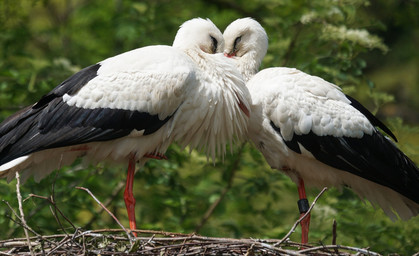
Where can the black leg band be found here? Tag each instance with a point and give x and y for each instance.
(303, 205)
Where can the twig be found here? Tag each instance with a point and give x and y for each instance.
(181, 248)
(60, 244)
(185, 245)
(149, 240)
(366, 248)
(64, 242)
(107, 202)
(250, 250)
(84, 245)
(50, 200)
(300, 219)
(109, 212)
(141, 231)
(33, 210)
(334, 235)
(75, 234)
(367, 252)
(38, 236)
(321, 244)
(22, 215)
(207, 244)
(17, 216)
(211, 209)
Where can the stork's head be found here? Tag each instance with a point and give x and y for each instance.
(245, 37)
(199, 33)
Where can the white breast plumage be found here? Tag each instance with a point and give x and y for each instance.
(131, 107)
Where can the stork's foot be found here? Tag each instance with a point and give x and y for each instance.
(156, 155)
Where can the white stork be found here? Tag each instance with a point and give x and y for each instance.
(313, 132)
(131, 107)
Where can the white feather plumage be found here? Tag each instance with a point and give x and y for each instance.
(201, 90)
(298, 103)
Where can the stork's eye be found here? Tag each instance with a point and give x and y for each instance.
(237, 41)
(214, 44)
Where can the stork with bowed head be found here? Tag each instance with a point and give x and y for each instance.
(131, 107)
(313, 132)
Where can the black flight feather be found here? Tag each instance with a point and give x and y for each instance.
(373, 119)
(373, 157)
(51, 123)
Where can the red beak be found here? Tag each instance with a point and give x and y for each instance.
(229, 55)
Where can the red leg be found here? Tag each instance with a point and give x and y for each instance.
(129, 197)
(303, 207)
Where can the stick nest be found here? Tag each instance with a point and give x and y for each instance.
(148, 242)
(116, 242)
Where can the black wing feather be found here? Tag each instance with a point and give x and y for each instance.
(71, 85)
(373, 157)
(370, 116)
(51, 123)
(66, 126)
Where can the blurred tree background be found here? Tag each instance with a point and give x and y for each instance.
(369, 48)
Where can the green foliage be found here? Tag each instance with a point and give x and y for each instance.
(43, 42)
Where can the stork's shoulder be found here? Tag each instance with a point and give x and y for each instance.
(153, 79)
(156, 67)
(281, 79)
(156, 58)
(298, 103)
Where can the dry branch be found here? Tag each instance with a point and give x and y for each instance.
(114, 242)
(22, 215)
(150, 242)
(106, 209)
(49, 200)
(302, 218)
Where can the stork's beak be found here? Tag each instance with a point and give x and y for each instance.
(229, 55)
